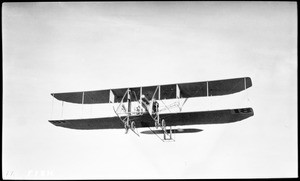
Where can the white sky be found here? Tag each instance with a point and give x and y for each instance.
(62, 47)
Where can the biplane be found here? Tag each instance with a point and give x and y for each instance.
(139, 107)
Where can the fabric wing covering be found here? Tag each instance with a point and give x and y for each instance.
(170, 91)
(172, 119)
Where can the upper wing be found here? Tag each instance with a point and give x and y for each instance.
(174, 119)
(88, 97)
(170, 91)
(215, 88)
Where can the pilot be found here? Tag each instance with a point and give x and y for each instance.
(155, 106)
(145, 100)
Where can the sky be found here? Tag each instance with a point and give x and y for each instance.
(65, 47)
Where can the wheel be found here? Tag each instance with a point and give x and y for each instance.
(133, 125)
(126, 129)
(163, 123)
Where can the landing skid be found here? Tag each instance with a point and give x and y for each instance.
(162, 126)
(164, 138)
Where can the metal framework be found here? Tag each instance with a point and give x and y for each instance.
(150, 106)
(128, 124)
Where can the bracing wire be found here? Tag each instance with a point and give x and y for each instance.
(62, 109)
(52, 107)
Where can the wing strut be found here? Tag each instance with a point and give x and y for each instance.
(82, 102)
(52, 107)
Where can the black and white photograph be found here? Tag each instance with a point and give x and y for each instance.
(149, 90)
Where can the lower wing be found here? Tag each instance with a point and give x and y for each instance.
(172, 119)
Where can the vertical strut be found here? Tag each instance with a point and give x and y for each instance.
(129, 101)
(128, 109)
(207, 88)
(159, 92)
(82, 102)
(82, 98)
(177, 91)
(52, 106)
(111, 96)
